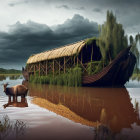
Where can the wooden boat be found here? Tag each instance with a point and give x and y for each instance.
(117, 73)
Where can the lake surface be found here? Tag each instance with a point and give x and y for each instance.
(67, 113)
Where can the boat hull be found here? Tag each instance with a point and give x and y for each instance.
(115, 74)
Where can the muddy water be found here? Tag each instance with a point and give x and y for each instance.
(54, 112)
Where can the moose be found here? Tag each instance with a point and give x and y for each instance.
(18, 90)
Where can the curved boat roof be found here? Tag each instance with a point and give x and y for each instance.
(67, 50)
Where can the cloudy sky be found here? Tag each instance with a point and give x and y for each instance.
(32, 26)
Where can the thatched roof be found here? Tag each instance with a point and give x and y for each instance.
(67, 50)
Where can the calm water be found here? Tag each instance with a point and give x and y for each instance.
(54, 112)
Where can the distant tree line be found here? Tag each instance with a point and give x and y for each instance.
(9, 71)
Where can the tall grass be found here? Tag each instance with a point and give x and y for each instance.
(10, 130)
(73, 77)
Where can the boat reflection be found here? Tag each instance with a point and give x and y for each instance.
(89, 106)
(15, 103)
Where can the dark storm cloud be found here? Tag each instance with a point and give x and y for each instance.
(22, 40)
(126, 11)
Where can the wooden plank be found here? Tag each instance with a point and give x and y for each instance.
(39, 68)
(81, 57)
(74, 60)
(64, 65)
(59, 67)
(53, 67)
(34, 69)
(46, 67)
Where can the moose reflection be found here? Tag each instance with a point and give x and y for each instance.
(15, 103)
(108, 106)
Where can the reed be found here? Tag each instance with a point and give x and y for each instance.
(11, 130)
(73, 77)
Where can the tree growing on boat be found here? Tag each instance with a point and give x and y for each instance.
(105, 60)
(112, 38)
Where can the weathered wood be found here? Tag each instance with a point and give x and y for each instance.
(30, 69)
(34, 70)
(46, 67)
(64, 65)
(77, 61)
(53, 67)
(81, 57)
(59, 67)
(39, 68)
(42, 67)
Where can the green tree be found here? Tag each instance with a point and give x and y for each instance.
(112, 38)
(134, 49)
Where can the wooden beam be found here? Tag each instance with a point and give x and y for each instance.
(39, 68)
(42, 67)
(81, 57)
(74, 60)
(64, 65)
(59, 67)
(53, 67)
(34, 69)
(46, 67)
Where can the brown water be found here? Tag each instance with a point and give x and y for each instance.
(54, 112)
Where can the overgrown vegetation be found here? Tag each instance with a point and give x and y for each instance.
(11, 130)
(111, 41)
(94, 67)
(134, 49)
(111, 38)
(90, 41)
(73, 77)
